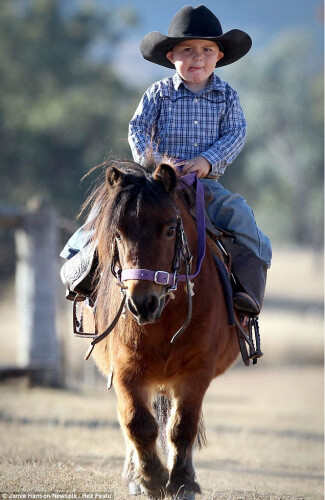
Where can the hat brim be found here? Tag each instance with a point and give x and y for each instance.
(155, 45)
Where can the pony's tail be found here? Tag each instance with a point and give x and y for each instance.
(162, 408)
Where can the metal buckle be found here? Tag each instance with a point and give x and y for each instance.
(166, 277)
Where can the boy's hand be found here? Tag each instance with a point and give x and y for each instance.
(199, 165)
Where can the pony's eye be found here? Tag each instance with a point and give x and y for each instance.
(171, 232)
(118, 237)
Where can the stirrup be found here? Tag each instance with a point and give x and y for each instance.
(84, 322)
(249, 337)
(254, 331)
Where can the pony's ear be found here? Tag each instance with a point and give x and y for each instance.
(114, 175)
(166, 175)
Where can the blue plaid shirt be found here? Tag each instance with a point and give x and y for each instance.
(171, 119)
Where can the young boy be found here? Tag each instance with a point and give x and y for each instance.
(196, 116)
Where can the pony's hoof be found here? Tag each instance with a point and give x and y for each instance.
(134, 489)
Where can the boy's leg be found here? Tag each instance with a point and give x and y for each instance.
(251, 250)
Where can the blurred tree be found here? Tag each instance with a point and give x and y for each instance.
(62, 109)
(281, 167)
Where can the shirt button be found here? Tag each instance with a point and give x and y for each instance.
(195, 144)
(195, 122)
(195, 100)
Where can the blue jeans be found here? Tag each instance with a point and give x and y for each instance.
(230, 212)
(227, 210)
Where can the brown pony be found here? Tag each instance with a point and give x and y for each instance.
(136, 228)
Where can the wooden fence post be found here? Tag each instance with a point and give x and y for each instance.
(36, 290)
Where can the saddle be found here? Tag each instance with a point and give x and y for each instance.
(77, 273)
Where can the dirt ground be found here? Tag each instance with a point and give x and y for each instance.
(264, 427)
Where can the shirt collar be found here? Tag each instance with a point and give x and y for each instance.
(214, 84)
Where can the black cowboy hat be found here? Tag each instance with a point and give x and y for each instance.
(195, 23)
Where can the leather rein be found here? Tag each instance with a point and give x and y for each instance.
(164, 278)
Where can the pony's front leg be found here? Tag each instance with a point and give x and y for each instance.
(182, 431)
(144, 470)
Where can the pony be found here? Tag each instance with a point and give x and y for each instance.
(139, 213)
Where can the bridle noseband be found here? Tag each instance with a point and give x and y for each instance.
(163, 278)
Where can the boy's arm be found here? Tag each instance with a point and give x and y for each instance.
(231, 140)
(141, 129)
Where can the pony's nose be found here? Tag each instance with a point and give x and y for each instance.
(145, 308)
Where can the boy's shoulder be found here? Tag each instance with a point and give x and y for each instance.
(224, 87)
(161, 86)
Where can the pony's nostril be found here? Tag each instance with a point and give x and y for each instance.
(132, 307)
(152, 303)
(145, 307)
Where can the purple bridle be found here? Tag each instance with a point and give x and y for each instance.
(165, 278)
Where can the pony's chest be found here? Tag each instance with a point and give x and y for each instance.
(166, 362)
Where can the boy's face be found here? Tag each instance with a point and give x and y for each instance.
(195, 61)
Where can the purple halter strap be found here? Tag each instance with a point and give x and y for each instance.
(163, 277)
